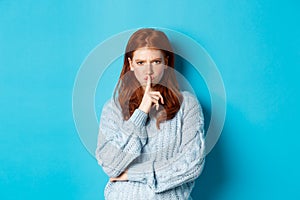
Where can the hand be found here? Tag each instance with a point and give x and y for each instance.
(150, 97)
(122, 177)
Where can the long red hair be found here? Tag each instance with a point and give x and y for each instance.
(130, 92)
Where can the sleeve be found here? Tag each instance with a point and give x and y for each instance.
(186, 165)
(119, 141)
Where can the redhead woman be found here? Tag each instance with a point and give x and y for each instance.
(151, 135)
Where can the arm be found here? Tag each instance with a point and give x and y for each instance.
(119, 141)
(186, 165)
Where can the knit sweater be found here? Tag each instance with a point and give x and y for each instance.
(161, 163)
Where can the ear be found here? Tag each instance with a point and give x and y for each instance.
(166, 62)
(130, 64)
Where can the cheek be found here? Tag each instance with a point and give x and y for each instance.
(138, 74)
(159, 72)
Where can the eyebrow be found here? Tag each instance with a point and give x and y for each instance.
(139, 60)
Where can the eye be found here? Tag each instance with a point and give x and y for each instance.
(139, 62)
(157, 61)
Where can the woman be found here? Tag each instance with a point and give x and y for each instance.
(150, 141)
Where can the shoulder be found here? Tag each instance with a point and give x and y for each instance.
(189, 100)
(191, 110)
(111, 106)
(190, 105)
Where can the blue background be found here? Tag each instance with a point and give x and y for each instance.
(255, 45)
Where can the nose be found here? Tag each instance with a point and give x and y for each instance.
(149, 69)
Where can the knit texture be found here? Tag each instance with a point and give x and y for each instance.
(162, 163)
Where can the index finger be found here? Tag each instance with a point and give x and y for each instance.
(148, 86)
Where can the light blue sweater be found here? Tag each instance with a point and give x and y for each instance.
(162, 164)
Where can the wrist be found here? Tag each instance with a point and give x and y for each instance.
(144, 109)
(139, 117)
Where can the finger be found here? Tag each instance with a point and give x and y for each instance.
(161, 99)
(148, 86)
(155, 98)
(159, 95)
(156, 104)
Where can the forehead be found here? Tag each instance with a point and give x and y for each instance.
(144, 53)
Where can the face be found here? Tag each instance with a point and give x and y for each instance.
(147, 61)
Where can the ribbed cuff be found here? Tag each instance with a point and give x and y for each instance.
(139, 117)
(141, 173)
